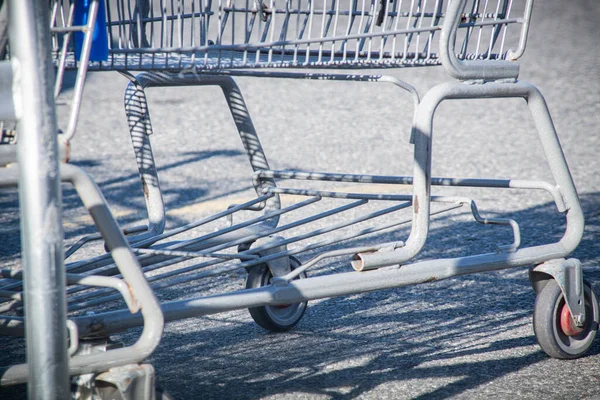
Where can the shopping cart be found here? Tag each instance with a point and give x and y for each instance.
(297, 221)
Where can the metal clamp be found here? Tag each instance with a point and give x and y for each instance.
(569, 277)
(279, 266)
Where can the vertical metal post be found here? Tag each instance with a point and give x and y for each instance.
(40, 199)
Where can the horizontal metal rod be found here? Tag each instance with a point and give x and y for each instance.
(313, 288)
(151, 262)
(103, 264)
(196, 254)
(97, 236)
(264, 217)
(553, 190)
(13, 325)
(340, 195)
(68, 29)
(248, 264)
(203, 221)
(217, 248)
(269, 46)
(72, 279)
(77, 305)
(390, 14)
(312, 246)
(235, 233)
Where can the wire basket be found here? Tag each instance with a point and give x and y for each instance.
(225, 34)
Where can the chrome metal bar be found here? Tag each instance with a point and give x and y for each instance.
(341, 195)
(232, 243)
(40, 200)
(82, 71)
(63, 54)
(174, 256)
(196, 254)
(69, 29)
(307, 289)
(247, 264)
(205, 221)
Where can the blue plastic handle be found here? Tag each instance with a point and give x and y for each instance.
(99, 50)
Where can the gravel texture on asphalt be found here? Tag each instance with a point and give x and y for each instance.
(469, 337)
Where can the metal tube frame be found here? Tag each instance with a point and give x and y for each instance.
(285, 290)
(138, 116)
(140, 295)
(422, 171)
(86, 48)
(40, 200)
(140, 128)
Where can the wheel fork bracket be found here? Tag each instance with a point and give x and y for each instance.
(279, 266)
(569, 277)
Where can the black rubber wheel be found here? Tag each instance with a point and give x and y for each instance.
(556, 334)
(274, 318)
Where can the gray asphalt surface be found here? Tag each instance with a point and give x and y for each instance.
(469, 337)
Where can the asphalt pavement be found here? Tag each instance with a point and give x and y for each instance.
(469, 337)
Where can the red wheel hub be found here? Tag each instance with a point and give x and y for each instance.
(567, 324)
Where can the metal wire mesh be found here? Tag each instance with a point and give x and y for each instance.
(223, 34)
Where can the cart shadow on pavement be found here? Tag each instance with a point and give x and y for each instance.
(118, 192)
(436, 340)
(449, 353)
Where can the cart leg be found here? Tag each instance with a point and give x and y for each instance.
(140, 127)
(40, 200)
(423, 138)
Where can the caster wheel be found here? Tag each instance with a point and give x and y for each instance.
(274, 318)
(554, 328)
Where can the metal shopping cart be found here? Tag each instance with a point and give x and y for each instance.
(296, 222)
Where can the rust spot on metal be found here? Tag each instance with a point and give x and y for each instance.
(134, 307)
(416, 205)
(145, 187)
(432, 279)
(67, 152)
